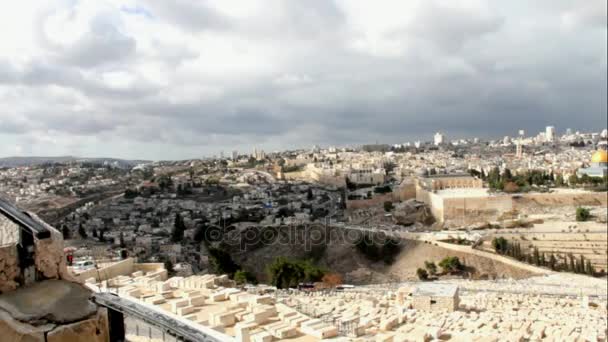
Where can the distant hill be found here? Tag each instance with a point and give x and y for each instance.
(31, 161)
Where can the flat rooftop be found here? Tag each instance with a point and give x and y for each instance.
(435, 290)
(463, 192)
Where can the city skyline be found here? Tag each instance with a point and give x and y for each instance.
(141, 80)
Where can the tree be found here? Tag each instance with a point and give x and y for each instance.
(81, 231)
(572, 264)
(559, 180)
(285, 273)
(66, 232)
(430, 267)
(536, 257)
(388, 206)
(169, 266)
(100, 235)
(200, 232)
(500, 245)
(129, 193)
(552, 262)
(573, 180)
(222, 262)
(422, 274)
(242, 277)
(121, 239)
(309, 195)
(582, 214)
(589, 268)
(507, 175)
(451, 264)
(177, 233)
(95, 233)
(543, 261)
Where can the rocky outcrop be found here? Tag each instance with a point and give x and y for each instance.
(15, 331)
(49, 301)
(94, 329)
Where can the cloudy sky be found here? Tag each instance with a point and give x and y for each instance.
(179, 79)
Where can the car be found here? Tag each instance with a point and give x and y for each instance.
(84, 265)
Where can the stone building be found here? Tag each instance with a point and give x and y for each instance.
(435, 297)
(456, 181)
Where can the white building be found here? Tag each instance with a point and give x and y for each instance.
(439, 139)
(550, 133)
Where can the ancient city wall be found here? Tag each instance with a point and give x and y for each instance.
(407, 191)
(467, 208)
(526, 201)
(376, 200)
(434, 202)
(471, 209)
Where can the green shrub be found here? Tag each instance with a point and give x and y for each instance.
(285, 273)
(451, 265)
(582, 214)
(430, 267)
(221, 262)
(387, 251)
(243, 277)
(422, 274)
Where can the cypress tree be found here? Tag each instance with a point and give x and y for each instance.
(543, 260)
(572, 264)
(552, 262)
(536, 257)
(589, 269)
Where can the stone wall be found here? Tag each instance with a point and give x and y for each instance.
(148, 267)
(114, 270)
(9, 232)
(376, 200)
(407, 190)
(9, 268)
(50, 259)
(468, 210)
(472, 209)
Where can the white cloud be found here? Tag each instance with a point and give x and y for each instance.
(172, 79)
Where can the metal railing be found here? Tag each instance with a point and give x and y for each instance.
(166, 323)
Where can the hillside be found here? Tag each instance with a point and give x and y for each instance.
(340, 254)
(32, 161)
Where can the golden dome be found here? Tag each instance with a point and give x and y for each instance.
(600, 156)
